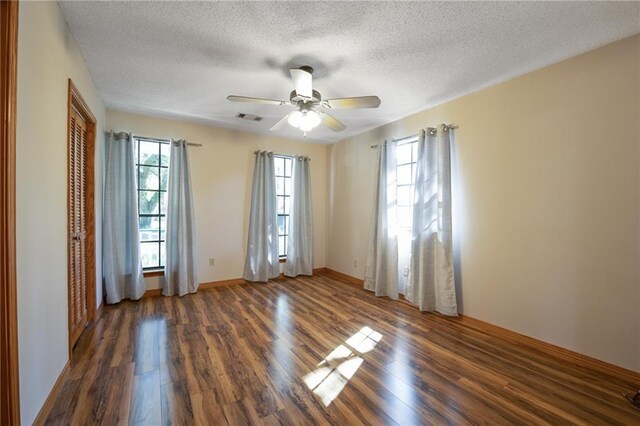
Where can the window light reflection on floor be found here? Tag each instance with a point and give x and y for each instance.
(335, 371)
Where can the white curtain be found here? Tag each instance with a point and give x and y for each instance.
(180, 273)
(122, 267)
(300, 239)
(262, 262)
(381, 271)
(431, 279)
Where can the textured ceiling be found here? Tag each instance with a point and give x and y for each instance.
(181, 59)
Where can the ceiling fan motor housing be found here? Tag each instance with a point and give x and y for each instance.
(295, 98)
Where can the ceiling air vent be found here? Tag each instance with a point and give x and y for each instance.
(249, 117)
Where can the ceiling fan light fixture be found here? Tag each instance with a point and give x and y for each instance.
(304, 120)
(294, 119)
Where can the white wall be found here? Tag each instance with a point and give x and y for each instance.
(222, 170)
(47, 57)
(547, 202)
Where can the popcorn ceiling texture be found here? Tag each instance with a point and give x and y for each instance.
(181, 59)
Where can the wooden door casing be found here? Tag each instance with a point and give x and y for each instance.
(80, 216)
(9, 381)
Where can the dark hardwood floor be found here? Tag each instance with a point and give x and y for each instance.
(317, 351)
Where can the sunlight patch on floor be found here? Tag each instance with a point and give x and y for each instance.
(334, 372)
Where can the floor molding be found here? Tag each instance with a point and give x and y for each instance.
(155, 292)
(550, 348)
(348, 279)
(319, 271)
(48, 403)
(223, 283)
(560, 352)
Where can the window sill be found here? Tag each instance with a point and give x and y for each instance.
(153, 273)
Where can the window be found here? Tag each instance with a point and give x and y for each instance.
(152, 167)
(283, 166)
(406, 158)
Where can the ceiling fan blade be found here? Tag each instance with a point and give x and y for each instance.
(357, 102)
(234, 98)
(332, 122)
(302, 81)
(280, 124)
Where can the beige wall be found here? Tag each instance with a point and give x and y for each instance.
(547, 201)
(547, 198)
(47, 57)
(222, 170)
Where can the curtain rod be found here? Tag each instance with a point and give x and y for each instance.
(165, 141)
(275, 154)
(444, 126)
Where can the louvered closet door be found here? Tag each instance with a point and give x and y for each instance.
(78, 314)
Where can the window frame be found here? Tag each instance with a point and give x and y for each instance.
(287, 199)
(413, 142)
(160, 215)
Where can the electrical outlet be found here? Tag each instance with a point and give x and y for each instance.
(405, 271)
(355, 263)
(212, 262)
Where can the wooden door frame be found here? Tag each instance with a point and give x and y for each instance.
(9, 378)
(76, 102)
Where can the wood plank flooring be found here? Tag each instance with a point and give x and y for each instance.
(318, 351)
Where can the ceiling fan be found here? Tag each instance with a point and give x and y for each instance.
(310, 105)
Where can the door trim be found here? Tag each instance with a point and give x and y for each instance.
(76, 102)
(9, 379)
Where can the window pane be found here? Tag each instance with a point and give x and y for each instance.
(280, 185)
(281, 225)
(163, 254)
(149, 202)
(165, 148)
(281, 246)
(164, 178)
(149, 153)
(146, 223)
(149, 235)
(280, 205)
(405, 195)
(405, 217)
(149, 254)
(149, 229)
(149, 178)
(155, 223)
(404, 175)
(287, 186)
(279, 164)
(163, 202)
(287, 205)
(404, 153)
(414, 147)
(287, 166)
